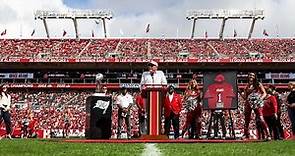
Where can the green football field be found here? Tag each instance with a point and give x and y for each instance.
(29, 147)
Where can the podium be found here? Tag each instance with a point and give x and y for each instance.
(98, 116)
(154, 102)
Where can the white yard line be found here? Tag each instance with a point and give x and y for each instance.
(151, 150)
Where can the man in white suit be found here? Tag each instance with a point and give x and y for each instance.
(153, 76)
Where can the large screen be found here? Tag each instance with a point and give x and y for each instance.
(220, 90)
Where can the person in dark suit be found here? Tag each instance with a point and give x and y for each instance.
(291, 106)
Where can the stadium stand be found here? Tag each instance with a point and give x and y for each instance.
(144, 48)
(48, 106)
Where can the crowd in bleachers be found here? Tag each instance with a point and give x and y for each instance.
(143, 48)
(48, 109)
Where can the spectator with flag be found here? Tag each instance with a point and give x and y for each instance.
(64, 33)
(92, 33)
(235, 33)
(265, 33)
(4, 32)
(206, 34)
(147, 30)
(33, 32)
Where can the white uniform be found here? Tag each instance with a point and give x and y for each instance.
(158, 78)
(124, 101)
(5, 102)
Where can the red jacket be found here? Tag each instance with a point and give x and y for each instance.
(174, 106)
(140, 104)
(270, 106)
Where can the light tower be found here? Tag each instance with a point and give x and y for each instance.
(224, 15)
(74, 15)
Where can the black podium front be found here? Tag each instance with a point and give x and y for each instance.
(98, 116)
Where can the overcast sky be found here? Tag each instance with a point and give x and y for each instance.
(166, 18)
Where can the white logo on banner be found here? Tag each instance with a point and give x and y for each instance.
(102, 105)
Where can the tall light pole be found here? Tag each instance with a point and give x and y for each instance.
(74, 15)
(224, 15)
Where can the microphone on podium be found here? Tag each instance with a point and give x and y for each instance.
(152, 75)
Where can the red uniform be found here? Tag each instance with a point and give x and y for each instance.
(221, 93)
(32, 126)
(193, 116)
(258, 112)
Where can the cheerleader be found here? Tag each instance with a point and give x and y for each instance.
(193, 107)
(254, 95)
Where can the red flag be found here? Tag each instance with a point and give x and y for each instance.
(147, 30)
(64, 33)
(92, 33)
(235, 33)
(3, 32)
(265, 33)
(206, 34)
(33, 32)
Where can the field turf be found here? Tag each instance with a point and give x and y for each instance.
(18, 147)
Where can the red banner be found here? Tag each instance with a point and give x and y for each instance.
(109, 85)
(61, 85)
(139, 60)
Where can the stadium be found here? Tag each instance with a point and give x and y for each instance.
(50, 80)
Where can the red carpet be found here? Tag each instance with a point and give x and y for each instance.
(157, 141)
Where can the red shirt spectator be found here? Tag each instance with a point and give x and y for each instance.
(140, 104)
(270, 106)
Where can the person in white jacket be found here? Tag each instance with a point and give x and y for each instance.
(124, 102)
(153, 76)
(5, 105)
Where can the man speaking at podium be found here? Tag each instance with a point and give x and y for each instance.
(153, 76)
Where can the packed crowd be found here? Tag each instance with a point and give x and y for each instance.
(48, 110)
(143, 48)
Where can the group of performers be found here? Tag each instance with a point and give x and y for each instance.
(264, 101)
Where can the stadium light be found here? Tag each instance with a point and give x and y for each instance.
(224, 15)
(74, 15)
